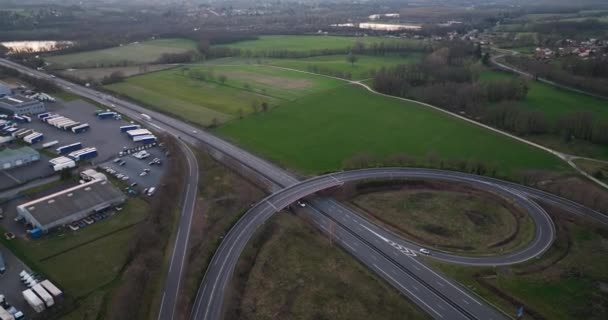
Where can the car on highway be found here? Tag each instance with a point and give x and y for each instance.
(425, 251)
(301, 204)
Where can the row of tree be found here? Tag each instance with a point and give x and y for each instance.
(37, 83)
(382, 48)
(145, 258)
(587, 75)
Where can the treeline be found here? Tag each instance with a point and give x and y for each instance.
(448, 78)
(178, 57)
(145, 258)
(445, 79)
(381, 48)
(587, 75)
(38, 84)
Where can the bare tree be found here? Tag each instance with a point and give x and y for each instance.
(352, 59)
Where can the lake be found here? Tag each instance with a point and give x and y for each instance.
(36, 46)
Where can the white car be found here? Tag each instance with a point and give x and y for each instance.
(425, 251)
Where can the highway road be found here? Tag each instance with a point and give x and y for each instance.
(394, 259)
(174, 275)
(380, 250)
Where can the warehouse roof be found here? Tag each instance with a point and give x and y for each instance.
(16, 101)
(73, 200)
(12, 153)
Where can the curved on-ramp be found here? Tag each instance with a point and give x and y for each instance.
(209, 300)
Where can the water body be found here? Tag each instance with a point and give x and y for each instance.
(388, 26)
(379, 26)
(36, 46)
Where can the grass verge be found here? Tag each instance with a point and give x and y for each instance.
(291, 271)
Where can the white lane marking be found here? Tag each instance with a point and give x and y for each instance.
(440, 284)
(174, 247)
(406, 289)
(336, 180)
(402, 249)
(348, 245)
(374, 257)
(440, 307)
(162, 303)
(157, 127)
(465, 301)
(448, 282)
(272, 205)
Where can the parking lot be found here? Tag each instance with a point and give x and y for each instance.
(10, 283)
(104, 134)
(134, 168)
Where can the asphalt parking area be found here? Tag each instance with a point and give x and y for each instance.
(10, 282)
(134, 167)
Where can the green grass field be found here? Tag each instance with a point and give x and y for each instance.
(337, 63)
(142, 52)
(308, 43)
(317, 133)
(84, 260)
(199, 101)
(552, 101)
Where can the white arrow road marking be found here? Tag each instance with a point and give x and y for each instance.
(402, 249)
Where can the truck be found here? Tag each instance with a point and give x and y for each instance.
(32, 139)
(52, 289)
(70, 126)
(61, 163)
(83, 154)
(43, 295)
(146, 117)
(80, 128)
(4, 315)
(44, 115)
(61, 123)
(145, 138)
(49, 144)
(106, 115)
(55, 120)
(138, 132)
(2, 265)
(69, 148)
(33, 300)
(27, 118)
(19, 119)
(21, 133)
(129, 127)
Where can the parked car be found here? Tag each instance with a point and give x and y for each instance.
(9, 236)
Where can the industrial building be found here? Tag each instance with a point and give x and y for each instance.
(69, 205)
(19, 105)
(5, 90)
(12, 158)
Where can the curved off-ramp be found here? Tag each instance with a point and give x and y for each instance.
(393, 258)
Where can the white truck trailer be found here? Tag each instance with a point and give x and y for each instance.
(44, 295)
(4, 315)
(33, 300)
(52, 289)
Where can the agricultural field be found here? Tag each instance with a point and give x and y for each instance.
(308, 43)
(197, 93)
(361, 69)
(319, 132)
(132, 53)
(290, 270)
(552, 101)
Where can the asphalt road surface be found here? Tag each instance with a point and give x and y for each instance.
(374, 246)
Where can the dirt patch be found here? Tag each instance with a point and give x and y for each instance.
(274, 81)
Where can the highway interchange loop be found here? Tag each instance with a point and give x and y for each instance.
(413, 276)
(392, 258)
